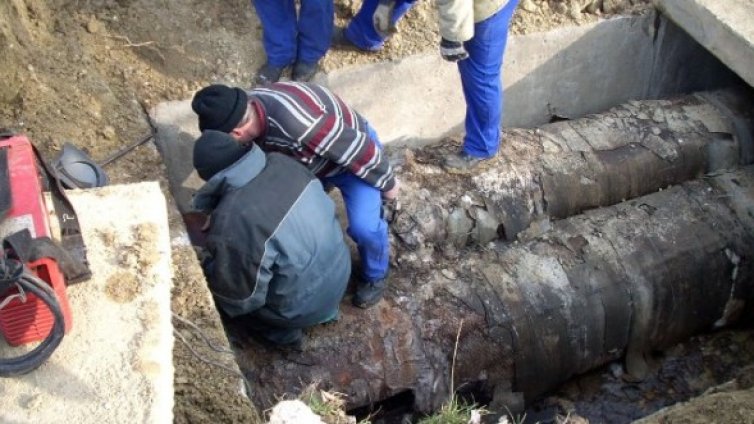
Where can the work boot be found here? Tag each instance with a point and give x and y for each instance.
(285, 340)
(369, 293)
(461, 162)
(303, 71)
(268, 74)
(339, 41)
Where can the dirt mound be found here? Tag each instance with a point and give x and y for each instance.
(418, 31)
(85, 70)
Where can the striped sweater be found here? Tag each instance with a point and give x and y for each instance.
(314, 126)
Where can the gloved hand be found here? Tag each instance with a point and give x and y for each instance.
(452, 51)
(390, 203)
(390, 209)
(382, 19)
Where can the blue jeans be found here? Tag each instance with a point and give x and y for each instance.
(288, 38)
(366, 225)
(481, 80)
(360, 31)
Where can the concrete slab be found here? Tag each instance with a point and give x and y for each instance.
(115, 365)
(725, 28)
(568, 72)
(177, 128)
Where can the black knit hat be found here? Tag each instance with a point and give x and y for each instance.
(215, 151)
(219, 107)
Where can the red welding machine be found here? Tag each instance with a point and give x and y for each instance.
(33, 302)
(25, 318)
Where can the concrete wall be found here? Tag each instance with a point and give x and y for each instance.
(568, 72)
(725, 28)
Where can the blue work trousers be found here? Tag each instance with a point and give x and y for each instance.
(482, 86)
(289, 38)
(360, 31)
(366, 225)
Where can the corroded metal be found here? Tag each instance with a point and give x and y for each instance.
(615, 281)
(611, 282)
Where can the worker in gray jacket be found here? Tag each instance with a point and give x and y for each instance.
(278, 258)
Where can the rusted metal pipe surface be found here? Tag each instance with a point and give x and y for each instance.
(564, 168)
(612, 282)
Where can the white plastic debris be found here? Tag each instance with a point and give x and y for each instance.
(293, 412)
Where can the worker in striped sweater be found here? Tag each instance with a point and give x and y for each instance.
(314, 126)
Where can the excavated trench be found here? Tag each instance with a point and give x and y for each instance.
(612, 284)
(569, 274)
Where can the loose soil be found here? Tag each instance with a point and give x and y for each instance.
(87, 72)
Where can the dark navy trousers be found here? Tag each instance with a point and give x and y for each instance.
(289, 38)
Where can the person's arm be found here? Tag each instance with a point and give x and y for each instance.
(207, 197)
(456, 26)
(238, 284)
(352, 149)
(456, 19)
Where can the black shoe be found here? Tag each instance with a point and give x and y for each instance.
(304, 71)
(368, 294)
(339, 41)
(284, 341)
(461, 162)
(268, 74)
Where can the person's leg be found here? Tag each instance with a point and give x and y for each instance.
(273, 331)
(282, 336)
(278, 36)
(482, 86)
(315, 26)
(367, 228)
(361, 32)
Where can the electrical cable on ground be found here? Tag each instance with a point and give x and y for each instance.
(198, 356)
(13, 272)
(202, 335)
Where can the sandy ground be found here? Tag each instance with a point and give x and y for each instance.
(86, 71)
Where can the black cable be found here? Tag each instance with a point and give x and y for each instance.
(13, 272)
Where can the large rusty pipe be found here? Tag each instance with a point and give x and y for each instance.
(614, 281)
(564, 168)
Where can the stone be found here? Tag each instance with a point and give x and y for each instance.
(594, 6)
(108, 132)
(485, 228)
(459, 227)
(535, 229)
(529, 6)
(93, 26)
